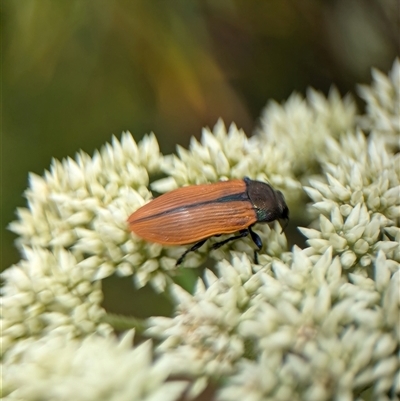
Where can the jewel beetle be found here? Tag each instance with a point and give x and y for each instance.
(193, 214)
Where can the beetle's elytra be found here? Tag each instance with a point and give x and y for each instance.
(195, 213)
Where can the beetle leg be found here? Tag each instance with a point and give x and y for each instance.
(195, 247)
(243, 233)
(255, 257)
(257, 240)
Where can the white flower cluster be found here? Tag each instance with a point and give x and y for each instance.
(316, 324)
(296, 331)
(359, 204)
(203, 336)
(319, 324)
(299, 128)
(94, 368)
(383, 105)
(83, 206)
(50, 293)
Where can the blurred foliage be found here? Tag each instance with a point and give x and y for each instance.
(75, 72)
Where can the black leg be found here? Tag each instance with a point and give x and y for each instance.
(257, 240)
(243, 233)
(195, 247)
(255, 257)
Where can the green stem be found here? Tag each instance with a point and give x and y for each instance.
(122, 323)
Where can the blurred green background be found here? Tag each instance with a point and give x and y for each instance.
(75, 72)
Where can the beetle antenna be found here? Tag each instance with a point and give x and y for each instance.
(285, 225)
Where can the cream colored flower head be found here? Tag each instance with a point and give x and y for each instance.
(319, 323)
(96, 368)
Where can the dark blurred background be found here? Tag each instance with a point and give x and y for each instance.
(75, 72)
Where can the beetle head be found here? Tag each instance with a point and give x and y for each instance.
(269, 204)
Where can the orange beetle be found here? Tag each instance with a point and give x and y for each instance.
(195, 213)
